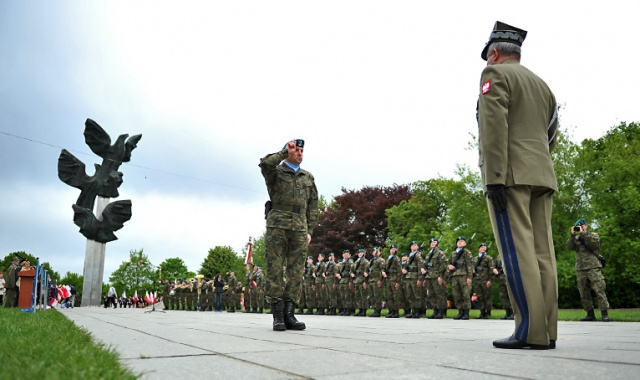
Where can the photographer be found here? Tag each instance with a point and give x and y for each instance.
(588, 268)
(218, 292)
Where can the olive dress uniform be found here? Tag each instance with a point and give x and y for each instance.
(517, 121)
(11, 296)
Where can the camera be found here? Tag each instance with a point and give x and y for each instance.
(576, 229)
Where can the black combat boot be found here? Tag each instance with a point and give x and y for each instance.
(605, 315)
(487, 314)
(290, 320)
(433, 316)
(320, 311)
(465, 314)
(440, 314)
(508, 313)
(390, 313)
(416, 313)
(376, 313)
(331, 311)
(481, 315)
(443, 313)
(459, 316)
(278, 316)
(591, 316)
(309, 311)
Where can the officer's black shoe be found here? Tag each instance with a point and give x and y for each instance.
(290, 320)
(513, 343)
(591, 316)
(465, 314)
(459, 316)
(605, 315)
(552, 344)
(278, 316)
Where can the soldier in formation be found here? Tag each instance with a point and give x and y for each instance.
(483, 272)
(360, 271)
(461, 273)
(436, 269)
(376, 268)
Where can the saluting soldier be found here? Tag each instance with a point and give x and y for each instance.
(321, 290)
(435, 269)
(331, 283)
(461, 271)
(414, 263)
(483, 271)
(588, 269)
(391, 275)
(346, 269)
(376, 267)
(359, 274)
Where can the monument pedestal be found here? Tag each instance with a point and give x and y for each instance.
(26, 288)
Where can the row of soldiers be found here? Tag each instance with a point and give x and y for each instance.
(199, 294)
(408, 282)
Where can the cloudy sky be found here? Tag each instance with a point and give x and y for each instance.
(382, 92)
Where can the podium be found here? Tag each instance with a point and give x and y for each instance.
(26, 288)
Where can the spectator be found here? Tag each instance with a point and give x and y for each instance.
(2, 282)
(111, 297)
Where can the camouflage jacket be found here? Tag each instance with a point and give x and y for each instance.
(393, 269)
(346, 268)
(293, 194)
(581, 244)
(413, 266)
(330, 272)
(465, 266)
(309, 270)
(436, 264)
(360, 268)
(484, 269)
(376, 267)
(232, 282)
(320, 270)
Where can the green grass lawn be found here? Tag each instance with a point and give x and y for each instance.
(47, 345)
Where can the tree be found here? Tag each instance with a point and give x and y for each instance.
(73, 278)
(173, 268)
(135, 274)
(221, 259)
(356, 219)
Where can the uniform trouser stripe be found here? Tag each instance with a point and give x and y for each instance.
(514, 278)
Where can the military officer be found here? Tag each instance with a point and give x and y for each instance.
(461, 272)
(391, 275)
(321, 290)
(435, 269)
(483, 272)
(290, 222)
(376, 267)
(498, 272)
(517, 121)
(360, 271)
(331, 284)
(588, 269)
(11, 298)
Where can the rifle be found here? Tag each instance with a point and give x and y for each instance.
(457, 261)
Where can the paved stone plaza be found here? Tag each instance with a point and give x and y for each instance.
(185, 344)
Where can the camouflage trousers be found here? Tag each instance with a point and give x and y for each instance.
(247, 295)
(484, 295)
(592, 279)
(403, 300)
(345, 294)
(504, 293)
(361, 296)
(412, 292)
(285, 254)
(321, 295)
(393, 295)
(437, 294)
(310, 294)
(461, 292)
(332, 295)
(257, 298)
(375, 293)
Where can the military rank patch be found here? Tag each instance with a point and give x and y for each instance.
(486, 87)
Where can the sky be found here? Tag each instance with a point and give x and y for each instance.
(383, 93)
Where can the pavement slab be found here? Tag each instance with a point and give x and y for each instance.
(175, 344)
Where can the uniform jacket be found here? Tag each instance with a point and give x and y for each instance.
(517, 121)
(320, 269)
(346, 268)
(413, 266)
(330, 272)
(360, 268)
(12, 277)
(581, 244)
(436, 264)
(376, 267)
(290, 191)
(466, 269)
(484, 270)
(393, 269)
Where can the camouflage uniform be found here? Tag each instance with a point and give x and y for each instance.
(294, 198)
(393, 271)
(247, 292)
(321, 289)
(166, 288)
(588, 269)
(331, 284)
(483, 273)
(309, 287)
(502, 289)
(436, 266)
(413, 277)
(404, 301)
(461, 289)
(257, 293)
(359, 283)
(346, 268)
(238, 296)
(376, 267)
(232, 282)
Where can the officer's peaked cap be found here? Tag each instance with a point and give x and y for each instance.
(504, 33)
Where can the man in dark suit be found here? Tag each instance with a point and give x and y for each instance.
(517, 121)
